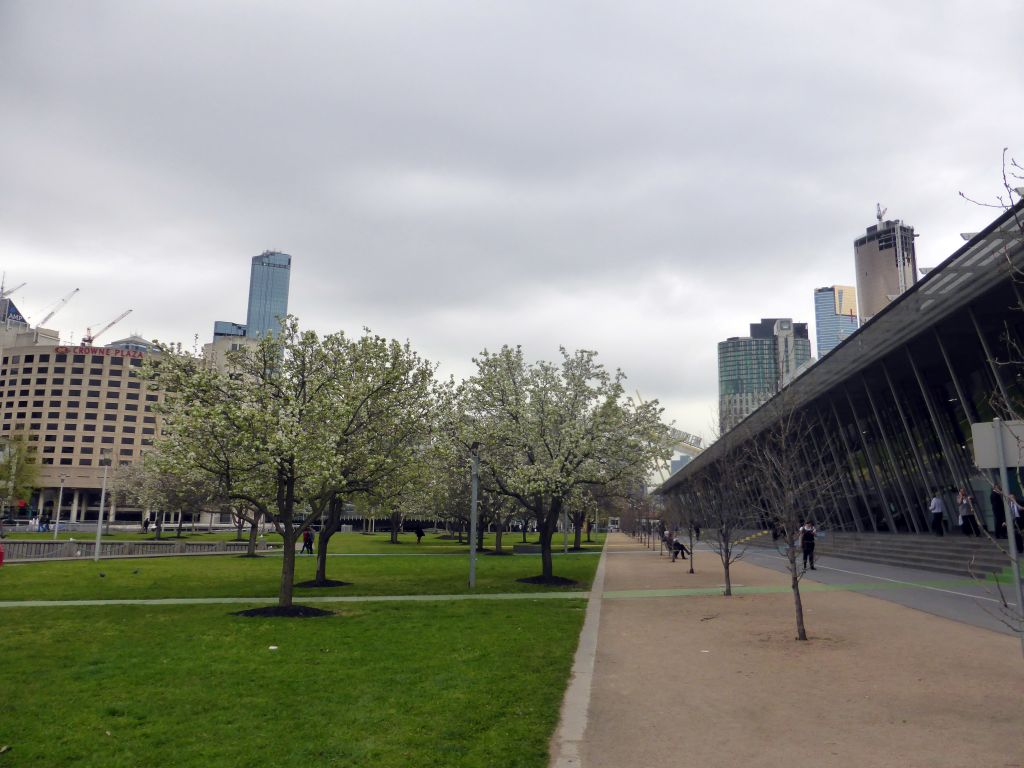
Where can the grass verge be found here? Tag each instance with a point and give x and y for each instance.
(441, 684)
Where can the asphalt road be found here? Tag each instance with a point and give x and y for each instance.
(960, 599)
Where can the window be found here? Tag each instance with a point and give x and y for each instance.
(93, 393)
(90, 417)
(151, 398)
(87, 450)
(92, 405)
(111, 406)
(127, 441)
(50, 438)
(49, 448)
(53, 414)
(132, 407)
(109, 428)
(47, 461)
(107, 440)
(88, 439)
(88, 427)
(30, 358)
(97, 359)
(134, 385)
(44, 358)
(36, 414)
(71, 427)
(148, 430)
(72, 415)
(61, 358)
(95, 382)
(68, 449)
(79, 359)
(130, 419)
(69, 438)
(65, 462)
(129, 430)
(131, 396)
(116, 361)
(147, 441)
(136, 362)
(85, 462)
(126, 451)
(113, 395)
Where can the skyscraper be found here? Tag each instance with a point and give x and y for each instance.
(835, 316)
(268, 292)
(886, 264)
(753, 368)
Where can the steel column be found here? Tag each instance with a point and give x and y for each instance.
(893, 462)
(872, 463)
(988, 356)
(855, 471)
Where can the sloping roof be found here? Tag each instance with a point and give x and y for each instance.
(968, 273)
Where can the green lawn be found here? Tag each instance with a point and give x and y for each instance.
(234, 576)
(377, 684)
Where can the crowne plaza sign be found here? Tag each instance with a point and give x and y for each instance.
(105, 351)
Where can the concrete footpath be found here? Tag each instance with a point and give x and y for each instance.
(671, 673)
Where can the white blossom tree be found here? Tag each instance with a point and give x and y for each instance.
(546, 430)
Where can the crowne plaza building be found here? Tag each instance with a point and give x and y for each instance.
(74, 406)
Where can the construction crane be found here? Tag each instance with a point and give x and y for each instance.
(90, 337)
(5, 292)
(58, 308)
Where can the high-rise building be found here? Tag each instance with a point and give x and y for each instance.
(753, 368)
(268, 293)
(835, 316)
(886, 264)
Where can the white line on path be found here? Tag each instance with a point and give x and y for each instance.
(565, 744)
(900, 581)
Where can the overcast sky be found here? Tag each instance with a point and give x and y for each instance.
(640, 178)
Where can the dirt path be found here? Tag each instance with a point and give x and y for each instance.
(712, 681)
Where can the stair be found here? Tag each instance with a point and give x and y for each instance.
(953, 554)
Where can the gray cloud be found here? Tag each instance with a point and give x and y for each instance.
(642, 178)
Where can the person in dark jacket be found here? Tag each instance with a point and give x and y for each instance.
(807, 535)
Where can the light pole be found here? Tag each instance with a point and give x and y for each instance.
(105, 462)
(60, 498)
(475, 453)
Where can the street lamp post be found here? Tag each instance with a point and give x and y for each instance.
(475, 452)
(105, 461)
(60, 499)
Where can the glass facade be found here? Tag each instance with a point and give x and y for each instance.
(268, 293)
(835, 316)
(891, 419)
(751, 369)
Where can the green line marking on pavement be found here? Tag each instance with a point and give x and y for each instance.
(804, 587)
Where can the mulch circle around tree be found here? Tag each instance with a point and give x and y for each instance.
(325, 583)
(502, 553)
(291, 611)
(553, 581)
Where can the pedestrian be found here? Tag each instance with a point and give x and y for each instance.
(938, 510)
(807, 535)
(145, 525)
(696, 531)
(995, 499)
(419, 533)
(965, 508)
(1018, 525)
(307, 541)
(679, 549)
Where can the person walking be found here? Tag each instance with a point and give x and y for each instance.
(965, 508)
(307, 541)
(938, 510)
(418, 530)
(807, 535)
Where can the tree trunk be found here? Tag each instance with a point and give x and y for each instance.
(284, 596)
(524, 532)
(577, 521)
(691, 549)
(547, 532)
(794, 580)
(181, 522)
(240, 526)
(254, 532)
(396, 523)
(728, 576)
(497, 537)
(158, 523)
(332, 524)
